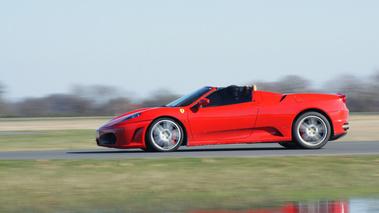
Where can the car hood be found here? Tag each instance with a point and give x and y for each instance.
(119, 119)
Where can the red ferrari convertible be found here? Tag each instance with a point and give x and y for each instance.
(229, 115)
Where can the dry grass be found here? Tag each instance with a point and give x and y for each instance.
(362, 128)
(50, 140)
(35, 124)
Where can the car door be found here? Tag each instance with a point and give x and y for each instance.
(222, 120)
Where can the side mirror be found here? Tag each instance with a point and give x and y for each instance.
(203, 102)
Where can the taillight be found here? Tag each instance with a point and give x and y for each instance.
(343, 97)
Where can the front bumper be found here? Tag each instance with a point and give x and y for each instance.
(123, 137)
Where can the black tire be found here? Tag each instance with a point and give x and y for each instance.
(164, 135)
(311, 130)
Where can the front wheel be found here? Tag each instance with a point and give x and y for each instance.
(311, 130)
(164, 135)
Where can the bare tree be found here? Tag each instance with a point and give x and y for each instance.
(2, 102)
(66, 104)
(159, 98)
(294, 84)
(119, 105)
(373, 91)
(358, 91)
(362, 96)
(288, 84)
(33, 107)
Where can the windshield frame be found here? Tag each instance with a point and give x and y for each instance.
(190, 98)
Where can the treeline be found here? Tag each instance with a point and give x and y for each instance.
(362, 93)
(362, 96)
(82, 101)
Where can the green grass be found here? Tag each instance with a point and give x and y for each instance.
(183, 184)
(49, 140)
(171, 185)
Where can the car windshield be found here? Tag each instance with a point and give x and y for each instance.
(190, 98)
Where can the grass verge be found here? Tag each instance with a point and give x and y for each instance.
(180, 185)
(49, 140)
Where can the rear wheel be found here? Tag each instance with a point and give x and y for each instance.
(311, 130)
(164, 135)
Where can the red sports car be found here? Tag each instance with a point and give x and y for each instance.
(228, 115)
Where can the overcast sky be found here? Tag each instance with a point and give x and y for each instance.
(139, 46)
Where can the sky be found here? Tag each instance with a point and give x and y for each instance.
(141, 46)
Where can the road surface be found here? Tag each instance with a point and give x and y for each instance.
(239, 150)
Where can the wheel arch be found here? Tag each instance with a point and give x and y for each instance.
(314, 110)
(185, 138)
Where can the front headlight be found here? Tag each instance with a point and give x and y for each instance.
(131, 116)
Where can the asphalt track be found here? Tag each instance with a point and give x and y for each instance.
(239, 150)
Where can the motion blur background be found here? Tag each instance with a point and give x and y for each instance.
(76, 58)
(97, 57)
